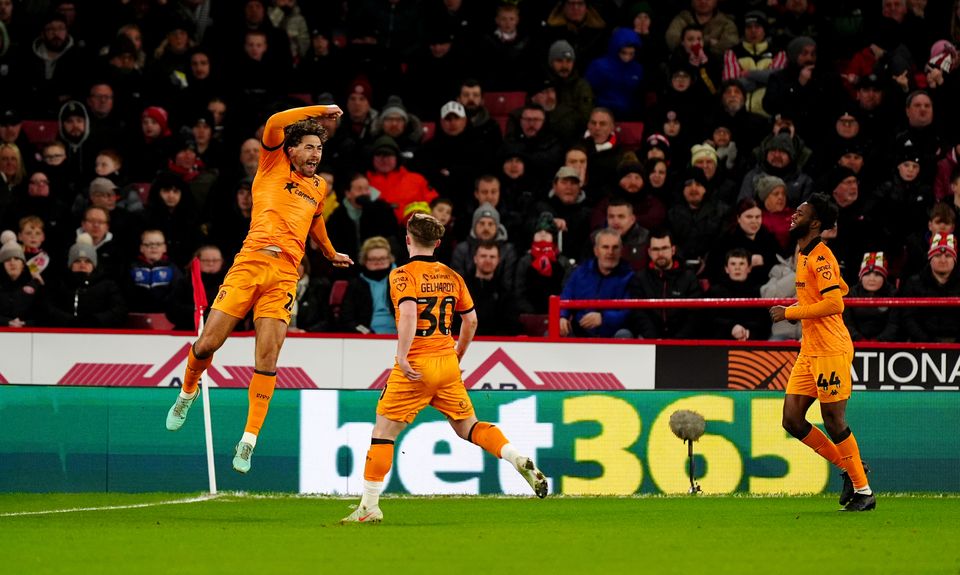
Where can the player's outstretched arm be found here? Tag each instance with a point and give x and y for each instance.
(273, 131)
(468, 328)
(832, 303)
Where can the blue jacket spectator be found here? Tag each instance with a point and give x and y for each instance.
(604, 276)
(616, 78)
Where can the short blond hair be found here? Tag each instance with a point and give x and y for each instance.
(373, 243)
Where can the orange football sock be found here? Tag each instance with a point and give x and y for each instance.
(379, 459)
(819, 442)
(195, 368)
(850, 456)
(259, 394)
(487, 436)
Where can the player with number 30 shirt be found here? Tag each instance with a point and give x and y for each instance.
(439, 293)
(426, 294)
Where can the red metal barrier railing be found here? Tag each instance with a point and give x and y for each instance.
(557, 304)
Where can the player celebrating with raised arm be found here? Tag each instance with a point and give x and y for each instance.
(288, 200)
(426, 294)
(822, 370)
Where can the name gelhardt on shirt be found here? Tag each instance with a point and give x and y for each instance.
(437, 283)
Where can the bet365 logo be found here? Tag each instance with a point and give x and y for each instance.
(825, 384)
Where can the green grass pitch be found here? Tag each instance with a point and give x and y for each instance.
(249, 533)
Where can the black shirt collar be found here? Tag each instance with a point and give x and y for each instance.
(809, 247)
(423, 259)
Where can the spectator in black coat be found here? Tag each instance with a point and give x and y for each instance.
(748, 233)
(360, 216)
(696, 220)
(494, 301)
(872, 323)
(21, 295)
(311, 309)
(486, 227)
(86, 298)
(566, 202)
(740, 324)
(939, 279)
(230, 226)
(663, 278)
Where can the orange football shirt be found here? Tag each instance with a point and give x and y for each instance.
(439, 292)
(285, 203)
(818, 273)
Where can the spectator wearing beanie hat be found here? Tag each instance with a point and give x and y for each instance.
(541, 271)
(778, 158)
(406, 129)
(772, 198)
(486, 226)
(872, 323)
(360, 115)
(573, 91)
(20, 292)
(656, 147)
(150, 151)
(801, 87)
(859, 220)
(942, 219)
(632, 186)
(704, 156)
(697, 220)
(940, 278)
(589, 36)
(85, 298)
(905, 198)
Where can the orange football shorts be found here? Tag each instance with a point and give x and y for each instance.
(265, 283)
(440, 386)
(825, 377)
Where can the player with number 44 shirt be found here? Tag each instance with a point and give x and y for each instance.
(822, 370)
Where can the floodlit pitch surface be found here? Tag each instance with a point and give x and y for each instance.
(249, 533)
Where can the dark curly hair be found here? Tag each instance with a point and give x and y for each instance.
(294, 133)
(826, 210)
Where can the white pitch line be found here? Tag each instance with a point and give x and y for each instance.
(113, 507)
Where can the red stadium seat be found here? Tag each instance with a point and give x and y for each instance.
(143, 190)
(41, 131)
(429, 129)
(630, 134)
(502, 120)
(151, 321)
(303, 97)
(502, 103)
(337, 292)
(534, 324)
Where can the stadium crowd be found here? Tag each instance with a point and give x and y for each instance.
(129, 136)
